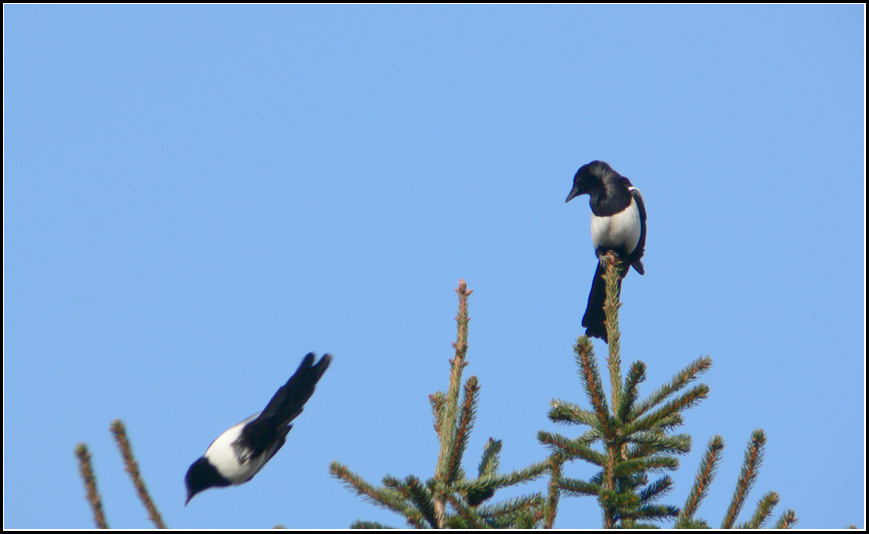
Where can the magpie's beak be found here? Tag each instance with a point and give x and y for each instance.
(573, 194)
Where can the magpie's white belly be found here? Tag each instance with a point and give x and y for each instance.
(222, 455)
(617, 231)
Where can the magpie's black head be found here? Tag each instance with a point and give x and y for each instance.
(589, 179)
(201, 476)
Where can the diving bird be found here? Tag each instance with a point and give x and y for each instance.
(618, 225)
(239, 453)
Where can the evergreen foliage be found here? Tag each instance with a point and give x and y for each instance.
(633, 437)
(630, 439)
(119, 431)
(450, 499)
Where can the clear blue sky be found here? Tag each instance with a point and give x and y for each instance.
(195, 197)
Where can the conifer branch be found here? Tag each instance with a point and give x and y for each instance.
(447, 460)
(705, 476)
(556, 442)
(470, 517)
(489, 462)
(448, 499)
(503, 480)
(626, 468)
(466, 422)
(386, 498)
(572, 448)
(132, 467)
(368, 525)
(421, 497)
(694, 524)
(682, 378)
(566, 412)
(646, 442)
(747, 477)
(591, 381)
(631, 390)
(612, 276)
(513, 506)
(90, 483)
(787, 520)
(613, 502)
(763, 511)
(672, 408)
(578, 487)
(657, 489)
(478, 490)
(556, 462)
(395, 496)
(438, 401)
(656, 512)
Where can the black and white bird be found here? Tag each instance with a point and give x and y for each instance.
(618, 225)
(239, 453)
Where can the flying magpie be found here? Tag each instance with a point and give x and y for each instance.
(618, 224)
(239, 453)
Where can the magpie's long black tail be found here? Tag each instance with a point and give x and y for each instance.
(289, 400)
(594, 319)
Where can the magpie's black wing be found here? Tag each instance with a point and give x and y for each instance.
(287, 403)
(640, 249)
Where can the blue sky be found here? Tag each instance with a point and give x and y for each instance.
(195, 197)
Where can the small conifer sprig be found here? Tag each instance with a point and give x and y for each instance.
(90, 484)
(130, 466)
(747, 478)
(450, 499)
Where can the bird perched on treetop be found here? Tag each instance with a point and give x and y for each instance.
(618, 225)
(239, 453)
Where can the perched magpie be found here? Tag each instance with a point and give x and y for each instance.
(239, 453)
(618, 224)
